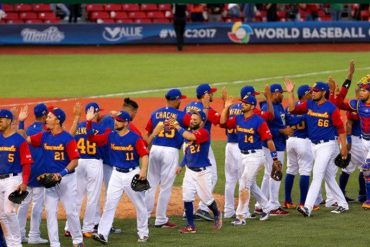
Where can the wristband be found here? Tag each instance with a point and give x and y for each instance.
(346, 84)
(349, 139)
(181, 131)
(64, 172)
(274, 155)
(21, 125)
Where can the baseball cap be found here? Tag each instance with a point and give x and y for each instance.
(201, 114)
(6, 114)
(364, 82)
(174, 94)
(248, 90)
(303, 90)
(249, 99)
(40, 110)
(320, 86)
(276, 88)
(95, 105)
(59, 114)
(205, 88)
(123, 116)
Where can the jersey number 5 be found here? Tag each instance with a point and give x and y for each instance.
(10, 158)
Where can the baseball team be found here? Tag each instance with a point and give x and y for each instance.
(111, 150)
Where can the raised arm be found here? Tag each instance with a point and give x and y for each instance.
(76, 119)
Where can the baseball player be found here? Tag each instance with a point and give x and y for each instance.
(299, 152)
(107, 122)
(361, 106)
(279, 131)
(89, 171)
(198, 177)
(164, 156)
(205, 97)
(60, 156)
(251, 131)
(15, 160)
(126, 149)
(323, 125)
(36, 190)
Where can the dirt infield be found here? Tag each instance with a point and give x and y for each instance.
(145, 49)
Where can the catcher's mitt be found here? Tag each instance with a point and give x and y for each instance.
(139, 185)
(276, 172)
(47, 180)
(342, 163)
(17, 196)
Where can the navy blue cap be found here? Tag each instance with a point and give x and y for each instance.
(320, 86)
(205, 88)
(201, 114)
(174, 94)
(6, 114)
(248, 90)
(60, 115)
(40, 110)
(123, 116)
(249, 100)
(303, 90)
(95, 105)
(276, 88)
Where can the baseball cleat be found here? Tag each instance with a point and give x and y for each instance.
(217, 222)
(229, 216)
(38, 241)
(67, 234)
(366, 205)
(204, 215)
(143, 239)
(188, 229)
(304, 211)
(361, 198)
(100, 238)
(238, 222)
(79, 245)
(166, 225)
(88, 234)
(258, 211)
(316, 208)
(264, 216)
(289, 205)
(349, 199)
(251, 216)
(115, 230)
(279, 212)
(339, 210)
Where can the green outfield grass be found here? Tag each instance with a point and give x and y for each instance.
(86, 75)
(322, 229)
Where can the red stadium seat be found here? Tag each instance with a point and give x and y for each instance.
(364, 15)
(33, 21)
(137, 15)
(164, 7)
(28, 15)
(11, 16)
(281, 15)
(8, 7)
(148, 7)
(113, 7)
(155, 15)
(131, 7)
(99, 15)
(41, 7)
(105, 21)
(52, 21)
(143, 20)
(23, 7)
(163, 20)
(127, 20)
(94, 7)
(15, 22)
(261, 16)
(326, 18)
(47, 16)
(119, 15)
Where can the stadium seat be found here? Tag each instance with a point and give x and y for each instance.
(364, 15)
(281, 15)
(155, 15)
(124, 20)
(15, 22)
(99, 15)
(8, 7)
(23, 7)
(33, 21)
(260, 16)
(28, 15)
(162, 20)
(105, 21)
(47, 16)
(113, 7)
(94, 7)
(119, 15)
(148, 7)
(51, 21)
(137, 15)
(142, 20)
(164, 7)
(11, 16)
(41, 7)
(131, 7)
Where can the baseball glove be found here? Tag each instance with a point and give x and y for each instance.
(48, 180)
(276, 172)
(342, 163)
(17, 196)
(139, 185)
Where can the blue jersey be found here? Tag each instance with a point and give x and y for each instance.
(276, 124)
(297, 123)
(363, 111)
(196, 152)
(231, 134)
(38, 166)
(87, 149)
(168, 138)
(14, 152)
(107, 122)
(58, 150)
(212, 118)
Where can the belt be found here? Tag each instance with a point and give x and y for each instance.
(3, 176)
(322, 141)
(124, 170)
(367, 138)
(198, 169)
(248, 151)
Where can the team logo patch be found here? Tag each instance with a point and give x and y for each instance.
(240, 33)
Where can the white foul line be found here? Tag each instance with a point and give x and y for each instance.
(188, 87)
